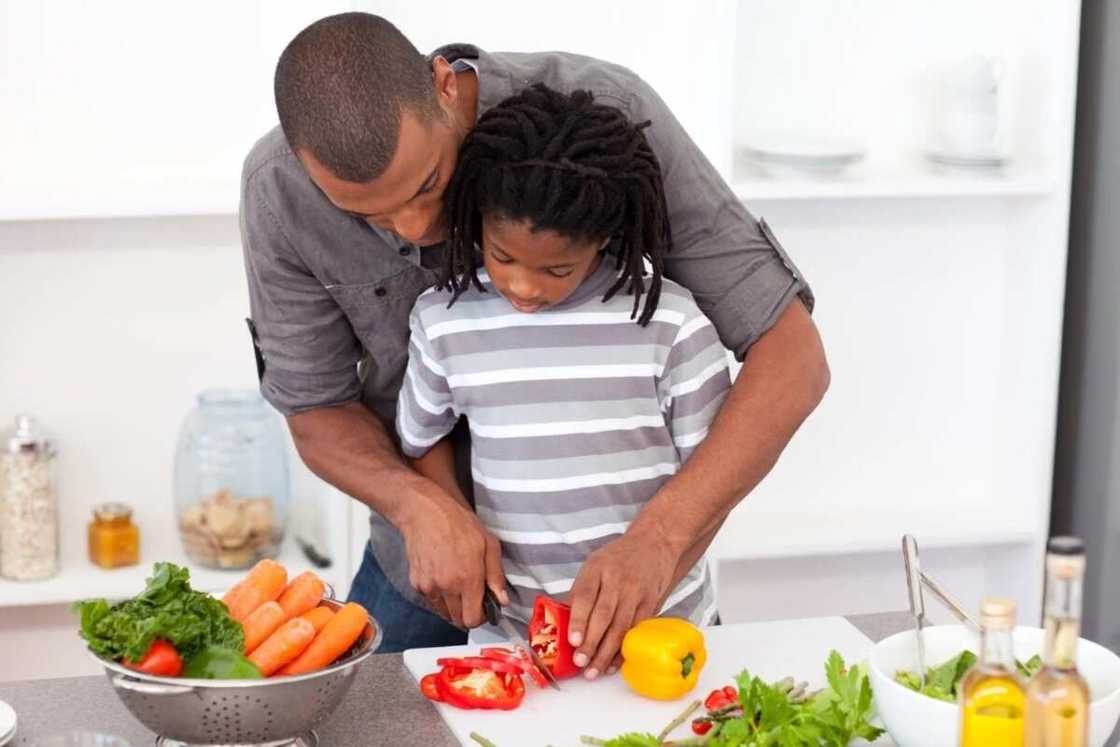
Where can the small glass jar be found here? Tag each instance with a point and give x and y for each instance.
(28, 503)
(114, 541)
(231, 480)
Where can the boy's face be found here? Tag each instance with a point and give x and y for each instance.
(535, 269)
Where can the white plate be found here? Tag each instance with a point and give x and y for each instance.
(985, 158)
(788, 156)
(7, 723)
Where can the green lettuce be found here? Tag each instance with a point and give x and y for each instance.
(942, 680)
(167, 609)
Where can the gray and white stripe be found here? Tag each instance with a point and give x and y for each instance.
(577, 417)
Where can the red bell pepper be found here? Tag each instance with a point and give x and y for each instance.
(548, 635)
(429, 687)
(479, 688)
(519, 658)
(161, 659)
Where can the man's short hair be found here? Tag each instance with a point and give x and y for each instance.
(341, 86)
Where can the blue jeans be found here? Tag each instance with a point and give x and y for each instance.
(403, 624)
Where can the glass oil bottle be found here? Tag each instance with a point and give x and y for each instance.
(1057, 697)
(992, 693)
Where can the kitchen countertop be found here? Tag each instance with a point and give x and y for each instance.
(383, 707)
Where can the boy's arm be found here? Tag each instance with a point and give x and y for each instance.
(438, 465)
(426, 414)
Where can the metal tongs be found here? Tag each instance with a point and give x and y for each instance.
(915, 580)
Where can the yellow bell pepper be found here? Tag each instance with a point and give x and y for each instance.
(662, 657)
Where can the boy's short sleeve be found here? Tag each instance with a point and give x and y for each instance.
(425, 411)
(693, 383)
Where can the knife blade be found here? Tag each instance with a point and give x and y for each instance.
(496, 616)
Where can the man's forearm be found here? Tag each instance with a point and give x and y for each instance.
(783, 379)
(438, 465)
(348, 447)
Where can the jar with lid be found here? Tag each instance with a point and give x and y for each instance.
(231, 479)
(28, 503)
(114, 541)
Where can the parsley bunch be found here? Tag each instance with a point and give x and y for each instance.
(832, 717)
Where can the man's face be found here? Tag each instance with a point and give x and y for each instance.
(407, 199)
(535, 269)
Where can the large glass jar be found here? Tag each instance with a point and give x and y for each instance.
(28, 504)
(231, 480)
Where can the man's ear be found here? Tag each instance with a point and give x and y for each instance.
(446, 83)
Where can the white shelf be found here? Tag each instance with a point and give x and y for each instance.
(755, 535)
(82, 580)
(63, 202)
(900, 186)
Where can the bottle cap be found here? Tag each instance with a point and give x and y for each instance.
(111, 511)
(997, 612)
(26, 438)
(1065, 546)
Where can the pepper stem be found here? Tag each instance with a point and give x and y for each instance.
(686, 665)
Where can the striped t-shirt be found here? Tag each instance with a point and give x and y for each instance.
(577, 417)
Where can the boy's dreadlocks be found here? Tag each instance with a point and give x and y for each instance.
(565, 164)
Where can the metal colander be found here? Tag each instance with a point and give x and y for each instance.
(271, 711)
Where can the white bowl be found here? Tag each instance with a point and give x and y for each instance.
(916, 720)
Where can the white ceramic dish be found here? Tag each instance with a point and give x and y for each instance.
(915, 720)
(7, 723)
(792, 157)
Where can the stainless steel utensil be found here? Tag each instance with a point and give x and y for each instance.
(270, 711)
(916, 579)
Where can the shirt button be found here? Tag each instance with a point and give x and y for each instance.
(379, 292)
(404, 250)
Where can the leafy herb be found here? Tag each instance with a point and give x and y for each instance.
(831, 718)
(168, 609)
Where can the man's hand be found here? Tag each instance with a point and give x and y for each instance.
(619, 584)
(452, 558)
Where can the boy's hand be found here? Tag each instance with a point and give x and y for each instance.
(619, 584)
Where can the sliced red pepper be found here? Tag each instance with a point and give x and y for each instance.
(161, 659)
(548, 635)
(429, 687)
(481, 662)
(480, 688)
(519, 658)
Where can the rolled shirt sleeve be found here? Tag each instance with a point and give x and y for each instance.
(309, 349)
(740, 275)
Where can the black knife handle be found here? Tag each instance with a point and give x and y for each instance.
(490, 607)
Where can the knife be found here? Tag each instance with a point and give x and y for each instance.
(495, 616)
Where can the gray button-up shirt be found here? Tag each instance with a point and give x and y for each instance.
(330, 295)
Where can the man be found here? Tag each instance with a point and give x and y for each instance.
(342, 229)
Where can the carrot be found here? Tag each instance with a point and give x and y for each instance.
(261, 624)
(286, 644)
(318, 617)
(333, 640)
(265, 583)
(303, 593)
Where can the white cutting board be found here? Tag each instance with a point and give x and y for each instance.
(606, 707)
